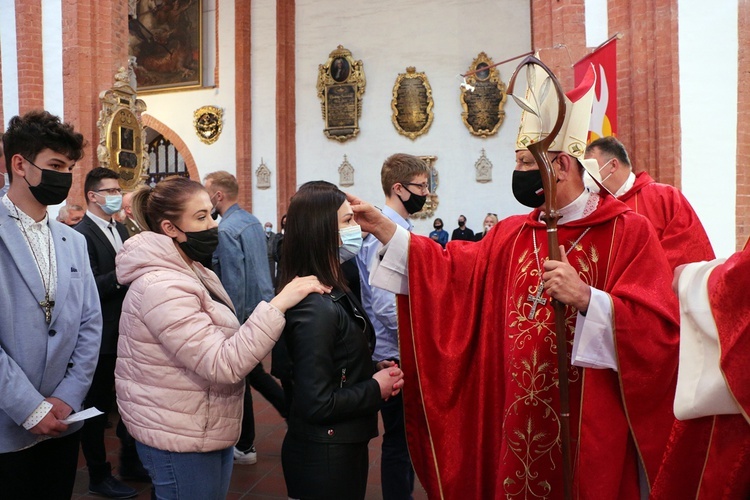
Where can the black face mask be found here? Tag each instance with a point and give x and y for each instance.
(53, 188)
(461, 223)
(527, 187)
(200, 245)
(415, 202)
(214, 213)
(438, 227)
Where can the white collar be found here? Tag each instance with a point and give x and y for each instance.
(626, 186)
(102, 223)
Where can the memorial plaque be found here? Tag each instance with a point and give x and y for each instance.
(412, 104)
(483, 105)
(341, 84)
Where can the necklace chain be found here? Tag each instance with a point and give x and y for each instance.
(46, 304)
(537, 299)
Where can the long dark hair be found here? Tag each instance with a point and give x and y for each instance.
(311, 237)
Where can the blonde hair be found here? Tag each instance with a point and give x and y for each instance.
(224, 182)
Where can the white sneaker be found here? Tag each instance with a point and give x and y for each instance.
(245, 457)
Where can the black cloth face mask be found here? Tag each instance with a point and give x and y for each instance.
(200, 245)
(527, 187)
(415, 202)
(53, 188)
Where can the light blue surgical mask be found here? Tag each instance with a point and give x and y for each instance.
(112, 204)
(351, 242)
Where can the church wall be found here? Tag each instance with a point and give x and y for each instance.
(708, 89)
(440, 39)
(175, 109)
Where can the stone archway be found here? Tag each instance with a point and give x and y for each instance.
(176, 140)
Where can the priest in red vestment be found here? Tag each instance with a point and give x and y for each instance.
(677, 225)
(477, 336)
(713, 389)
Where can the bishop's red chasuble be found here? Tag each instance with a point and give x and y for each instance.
(479, 354)
(678, 227)
(719, 446)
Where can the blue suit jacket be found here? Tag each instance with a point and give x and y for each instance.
(38, 360)
(241, 261)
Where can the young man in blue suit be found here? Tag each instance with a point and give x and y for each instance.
(50, 318)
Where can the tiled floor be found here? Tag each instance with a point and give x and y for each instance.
(264, 480)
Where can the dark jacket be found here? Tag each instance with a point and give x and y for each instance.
(111, 293)
(330, 342)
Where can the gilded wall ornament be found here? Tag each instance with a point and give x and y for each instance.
(341, 85)
(412, 103)
(432, 201)
(208, 122)
(483, 167)
(263, 176)
(483, 98)
(122, 145)
(346, 173)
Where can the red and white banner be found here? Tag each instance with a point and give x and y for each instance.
(604, 111)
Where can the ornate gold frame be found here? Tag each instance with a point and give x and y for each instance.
(409, 110)
(208, 122)
(483, 104)
(432, 202)
(341, 85)
(122, 143)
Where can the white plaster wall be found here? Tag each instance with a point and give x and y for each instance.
(9, 56)
(440, 38)
(175, 109)
(263, 89)
(708, 110)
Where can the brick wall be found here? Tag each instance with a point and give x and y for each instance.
(29, 48)
(172, 136)
(95, 37)
(743, 127)
(648, 93)
(243, 103)
(286, 143)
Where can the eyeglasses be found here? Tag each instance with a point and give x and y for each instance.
(423, 186)
(490, 213)
(112, 191)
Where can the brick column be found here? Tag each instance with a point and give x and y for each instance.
(743, 127)
(95, 35)
(286, 138)
(243, 102)
(559, 23)
(2, 113)
(648, 109)
(29, 49)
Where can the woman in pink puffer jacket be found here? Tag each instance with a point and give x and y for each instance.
(182, 354)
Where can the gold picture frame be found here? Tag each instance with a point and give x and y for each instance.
(341, 85)
(483, 98)
(412, 103)
(167, 40)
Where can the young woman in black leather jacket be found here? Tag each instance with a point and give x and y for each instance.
(336, 388)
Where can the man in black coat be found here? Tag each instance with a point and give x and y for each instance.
(104, 237)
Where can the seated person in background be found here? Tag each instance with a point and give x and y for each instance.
(489, 221)
(439, 234)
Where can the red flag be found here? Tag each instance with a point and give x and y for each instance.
(604, 111)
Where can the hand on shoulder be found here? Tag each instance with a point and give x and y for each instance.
(296, 290)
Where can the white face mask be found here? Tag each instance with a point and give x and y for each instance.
(351, 242)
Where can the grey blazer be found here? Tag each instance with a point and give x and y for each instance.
(38, 360)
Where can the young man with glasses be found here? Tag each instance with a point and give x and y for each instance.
(105, 236)
(404, 179)
(50, 328)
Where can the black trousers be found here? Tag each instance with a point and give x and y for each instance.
(46, 470)
(102, 396)
(314, 471)
(267, 386)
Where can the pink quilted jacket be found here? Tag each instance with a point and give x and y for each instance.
(182, 356)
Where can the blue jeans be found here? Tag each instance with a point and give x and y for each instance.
(185, 476)
(396, 472)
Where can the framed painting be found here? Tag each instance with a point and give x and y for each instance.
(166, 40)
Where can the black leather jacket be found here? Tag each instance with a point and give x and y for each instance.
(330, 342)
